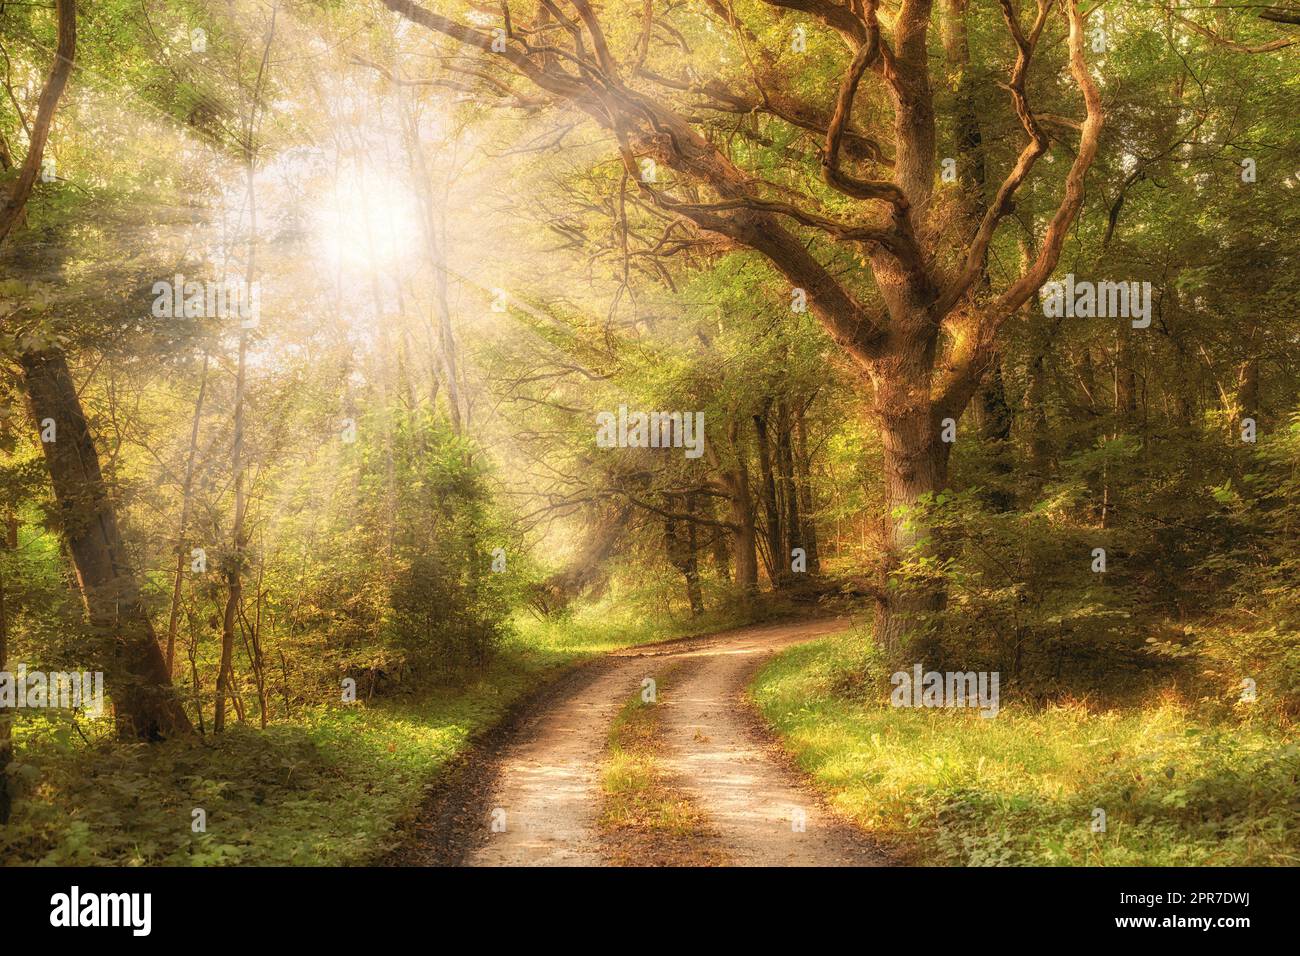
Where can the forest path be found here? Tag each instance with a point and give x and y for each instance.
(546, 790)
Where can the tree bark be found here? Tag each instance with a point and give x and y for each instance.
(235, 566)
(774, 527)
(187, 496)
(682, 546)
(145, 704)
(995, 432)
(744, 540)
(64, 55)
(6, 714)
(793, 536)
(744, 544)
(915, 466)
(803, 480)
(1040, 448)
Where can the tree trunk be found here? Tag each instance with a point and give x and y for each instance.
(235, 566)
(1126, 382)
(744, 544)
(734, 482)
(915, 465)
(692, 572)
(744, 540)
(6, 714)
(1040, 448)
(433, 225)
(1248, 386)
(187, 496)
(1185, 369)
(64, 55)
(11, 213)
(789, 493)
(143, 700)
(682, 546)
(803, 478)
(776, 552)
(720, 547)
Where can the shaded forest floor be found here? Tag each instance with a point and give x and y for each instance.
(1178, 786)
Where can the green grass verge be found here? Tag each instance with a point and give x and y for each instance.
(325, 789)
(647, 819)
(953, 788)
(635, 794)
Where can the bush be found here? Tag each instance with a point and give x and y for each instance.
(448, 604)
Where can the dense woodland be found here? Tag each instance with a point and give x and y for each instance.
(461, 231)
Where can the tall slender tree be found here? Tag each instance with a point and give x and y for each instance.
(143, 699)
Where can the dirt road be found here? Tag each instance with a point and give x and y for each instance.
(543, 797)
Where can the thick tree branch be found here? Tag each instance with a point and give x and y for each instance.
(1002, 203)
(841, 19)
(972, 353)
(645, 127)
(867, 54)
(1089, 140)
(1233, 45)
(1278, 15)
(854, 143)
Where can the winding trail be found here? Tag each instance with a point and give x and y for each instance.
(544, 797)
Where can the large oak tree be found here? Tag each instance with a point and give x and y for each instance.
(917, 319)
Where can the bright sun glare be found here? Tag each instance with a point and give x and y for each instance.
(367, 221)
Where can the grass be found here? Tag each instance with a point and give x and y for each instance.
(648, 821)
(949, 787)
(325, 789)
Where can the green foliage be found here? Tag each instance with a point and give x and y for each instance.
(1250, 639)
(1179, 787)
(449, 604)
(326, 788)
(1197, 534)
(372, 559)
